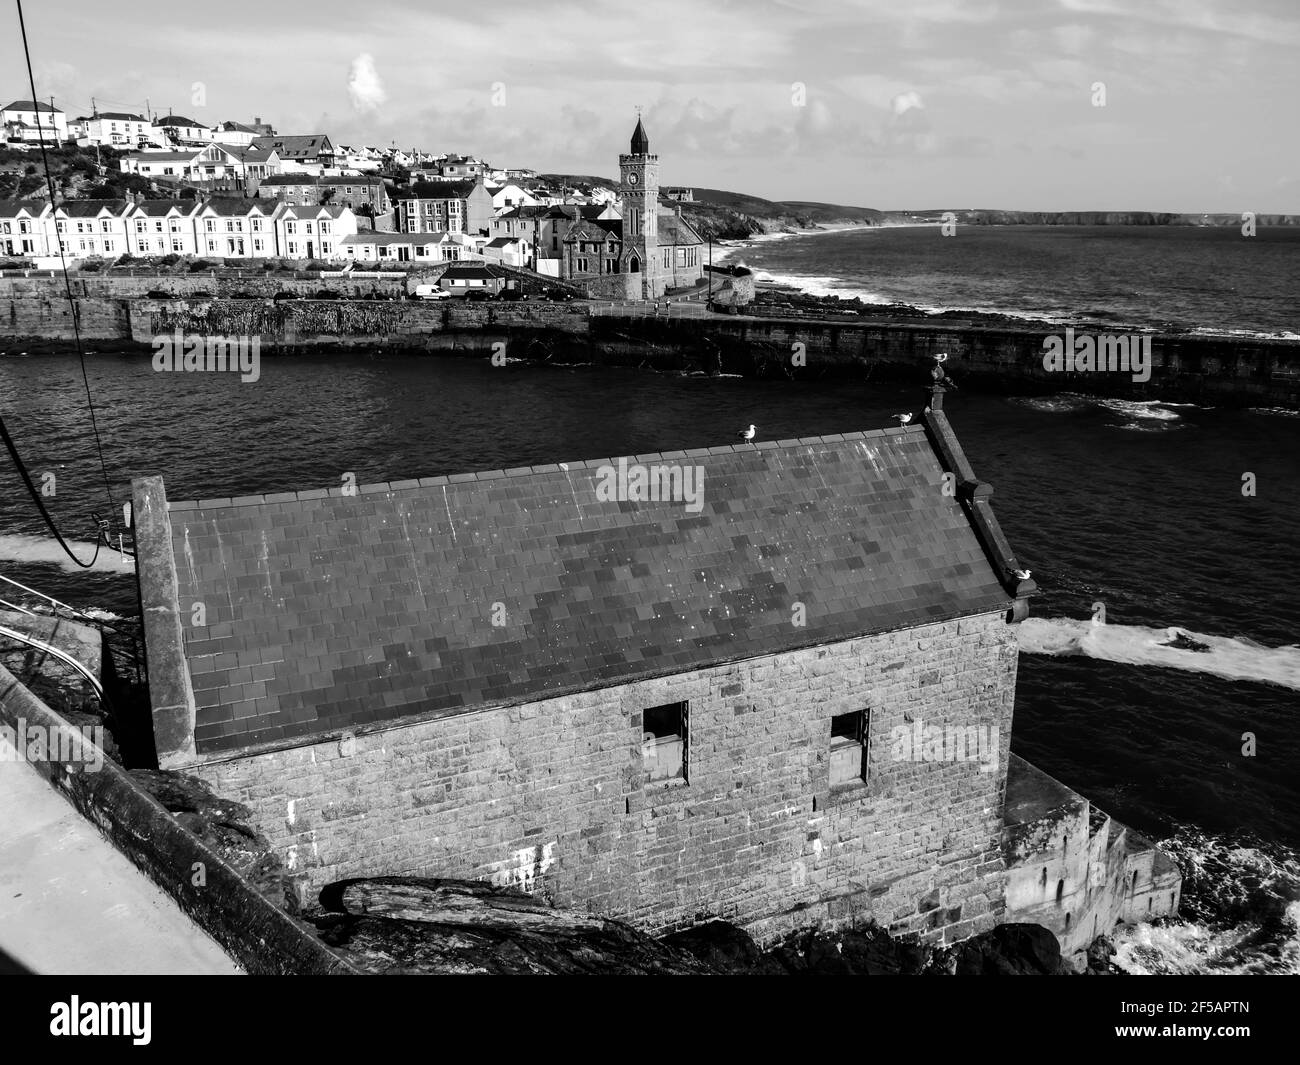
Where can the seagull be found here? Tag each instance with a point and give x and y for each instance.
(1021, 574)
(903, 419)
(747, 434)
(941, 357)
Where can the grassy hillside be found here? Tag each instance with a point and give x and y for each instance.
(718, 214)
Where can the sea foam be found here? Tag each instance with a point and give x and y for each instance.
(1227, 657)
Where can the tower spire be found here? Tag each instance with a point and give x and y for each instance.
(640, 142)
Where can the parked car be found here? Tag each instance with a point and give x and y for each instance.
(512, 295)
(286, 296)
(558, 295)
(478, 295)
(430, 292)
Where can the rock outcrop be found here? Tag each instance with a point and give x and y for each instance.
(225, 826)
(410, 925)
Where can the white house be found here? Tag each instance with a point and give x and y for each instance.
(91, 227)
(212, 162)
(510, 251)
(177, 129)
(237, 229)
(509, 196)
(118, 129)
(372, 246)
(162, 227)
(235, 134)
(31, 122)
(23, 228)
(313, 232)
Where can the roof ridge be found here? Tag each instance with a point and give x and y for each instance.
(521, 471)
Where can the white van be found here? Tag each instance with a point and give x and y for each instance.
(430, 292)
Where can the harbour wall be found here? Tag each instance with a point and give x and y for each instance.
(1189, 368)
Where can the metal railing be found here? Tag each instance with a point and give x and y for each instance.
(130, 634)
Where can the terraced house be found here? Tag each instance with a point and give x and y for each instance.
(236, 228)
(23, 228)
(163, 227)
(91, 227)
(364, 195)
(313, 232)
(444, 207)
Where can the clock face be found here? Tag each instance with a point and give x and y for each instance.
(632, 179)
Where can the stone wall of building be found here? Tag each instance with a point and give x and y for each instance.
(1074, 869)
(550, 796)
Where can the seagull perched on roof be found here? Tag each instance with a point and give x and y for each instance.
(747, 434)
(903, 419)
(1021, 574)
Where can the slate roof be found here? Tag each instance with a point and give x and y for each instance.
(165, 157)
(229, 207)
(160, 208)
(318, 180)
(437, 190)
(371, 236)
(90, 208)
(296, 146)
(27, 105)
(313, 210)
(178, 120)
(676, 231)
(328, 612)
(13, 208)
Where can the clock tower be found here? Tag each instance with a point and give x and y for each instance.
(639, 190)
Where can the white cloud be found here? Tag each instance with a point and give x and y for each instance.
(364, 86)
(906, 101)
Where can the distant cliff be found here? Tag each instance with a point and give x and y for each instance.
(983, 217)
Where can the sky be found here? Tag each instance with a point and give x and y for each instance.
(1155, 105)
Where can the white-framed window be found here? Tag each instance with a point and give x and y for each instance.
(141, 225)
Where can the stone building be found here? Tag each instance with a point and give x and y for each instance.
(366, 196)
(667, 687)
(444, 207)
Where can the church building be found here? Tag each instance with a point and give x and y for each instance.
(641, 255)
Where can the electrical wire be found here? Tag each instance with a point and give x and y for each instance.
(40, 504)
(76, 325)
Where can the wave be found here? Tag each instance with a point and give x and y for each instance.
(1239, 911)
(1154, 415)
(1137, 645)
(40, 550)
(1066, 404)
(1250, 334)
(1279, 412)
(1152, 409)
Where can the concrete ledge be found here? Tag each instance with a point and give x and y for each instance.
(974, 495)
(171, 694)
(260, 936)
